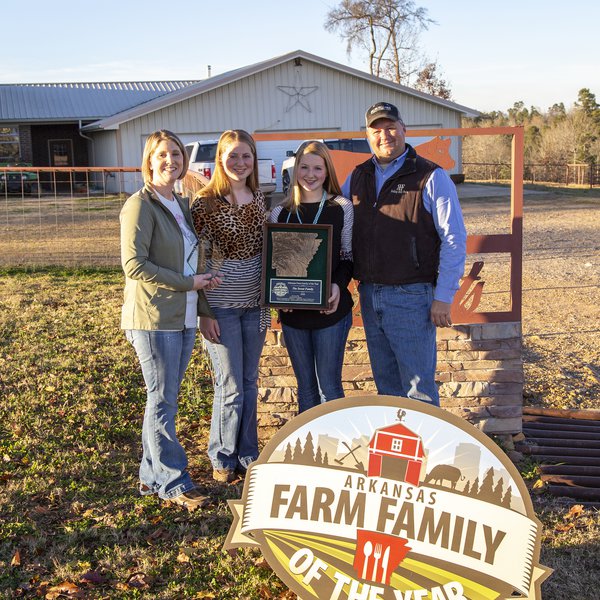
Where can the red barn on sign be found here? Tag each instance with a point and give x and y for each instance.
(395, 452)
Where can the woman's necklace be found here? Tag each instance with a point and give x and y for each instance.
(315, 220)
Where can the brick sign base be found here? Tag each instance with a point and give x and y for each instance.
(480, 372)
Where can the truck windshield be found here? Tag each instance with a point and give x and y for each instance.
(349, 145)
(206, 153)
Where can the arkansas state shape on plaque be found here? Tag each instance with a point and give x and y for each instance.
(379, 497)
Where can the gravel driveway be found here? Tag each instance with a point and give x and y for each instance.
(561, 289)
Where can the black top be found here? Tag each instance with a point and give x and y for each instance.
(336, 215)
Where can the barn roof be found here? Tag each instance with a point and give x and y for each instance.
(105, 105)
(399, 429)
(228, 77)
(56, 102)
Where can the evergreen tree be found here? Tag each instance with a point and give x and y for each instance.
(288, 453)
(318, 457)
(487, 486)
(497, 494)
(557, 112)
(298, 452)
(555, 138)
(309, 450)
(586, 102)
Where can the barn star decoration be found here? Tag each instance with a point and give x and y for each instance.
(298, 95)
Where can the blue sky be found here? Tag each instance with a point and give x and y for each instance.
(492, 53)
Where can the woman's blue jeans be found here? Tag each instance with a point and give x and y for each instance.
(163, 356)
(401, 339)
(233, 441)
(317, 357)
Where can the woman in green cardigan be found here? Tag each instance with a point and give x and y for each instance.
(159, 255)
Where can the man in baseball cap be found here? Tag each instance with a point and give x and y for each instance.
(409, 249)
(382, 110)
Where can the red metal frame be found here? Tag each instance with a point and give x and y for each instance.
(511, 243)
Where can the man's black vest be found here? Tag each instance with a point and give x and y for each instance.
(394, 239)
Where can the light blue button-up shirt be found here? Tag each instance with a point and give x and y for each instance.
(439, 192)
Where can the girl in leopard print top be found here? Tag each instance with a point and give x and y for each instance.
(229, 214)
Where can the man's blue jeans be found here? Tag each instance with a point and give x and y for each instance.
(317, 357)
(233, 441)
(163, 356)
(401, 339)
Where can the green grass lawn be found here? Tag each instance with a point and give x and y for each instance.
(70, 423)
(71, 521)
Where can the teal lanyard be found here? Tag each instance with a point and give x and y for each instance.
(321, 205)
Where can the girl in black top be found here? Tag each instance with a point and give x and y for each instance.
(316, 340)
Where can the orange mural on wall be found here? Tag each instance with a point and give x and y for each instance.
(436, 149)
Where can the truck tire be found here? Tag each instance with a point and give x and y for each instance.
(31, 189)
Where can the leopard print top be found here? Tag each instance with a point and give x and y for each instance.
(237, 231)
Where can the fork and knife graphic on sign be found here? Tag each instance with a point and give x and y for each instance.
(373, 554)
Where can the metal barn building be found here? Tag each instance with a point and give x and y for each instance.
(291, 93)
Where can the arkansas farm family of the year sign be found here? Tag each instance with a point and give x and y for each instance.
(384, 498)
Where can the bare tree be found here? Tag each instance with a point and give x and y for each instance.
(431, 82)
(388, 31)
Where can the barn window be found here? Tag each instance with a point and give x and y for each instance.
(9, 144)
(397, 445)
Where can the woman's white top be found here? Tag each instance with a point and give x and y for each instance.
(190, 251)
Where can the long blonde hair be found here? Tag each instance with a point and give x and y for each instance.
(219, 185)
(330, 185)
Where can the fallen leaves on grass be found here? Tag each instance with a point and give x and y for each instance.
(65, 589)
(261, 563)
(575, 512)
(136, 581)
(185, 554)
(563, 528)
(16, 559)
(93, 578)
(267, 594)
(158, 535)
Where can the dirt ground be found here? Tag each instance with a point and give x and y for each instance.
(561, 290)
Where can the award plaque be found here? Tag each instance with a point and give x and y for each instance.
(296, 266)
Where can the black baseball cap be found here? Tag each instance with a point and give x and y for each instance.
(382, 110)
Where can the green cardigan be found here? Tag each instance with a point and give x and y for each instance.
(152, 259)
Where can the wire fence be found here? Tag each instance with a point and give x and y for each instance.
(580, 174)
(70, 216)
(62, 216)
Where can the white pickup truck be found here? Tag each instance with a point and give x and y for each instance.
(350, 145)
(202, 160)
